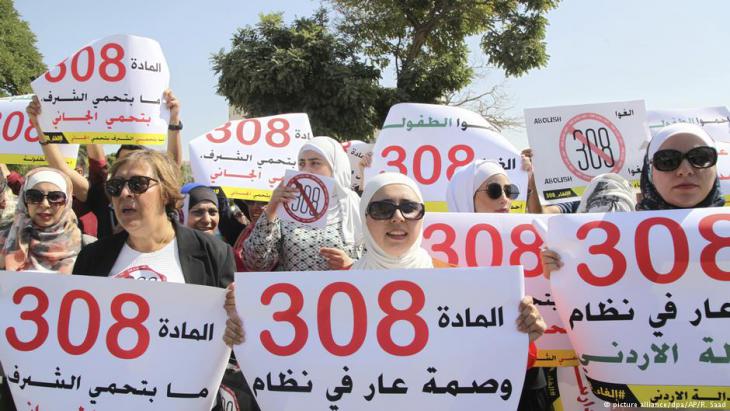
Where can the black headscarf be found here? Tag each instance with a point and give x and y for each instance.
(653, 201)
(200, 194)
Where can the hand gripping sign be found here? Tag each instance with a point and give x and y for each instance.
(496, 240)
(588, 140)
(356, 150)
(644, 297)
(75, 343)
(383, 339)
(312, 201)
(428, 143)
(248, 158)
(108, 92)
(20, 138)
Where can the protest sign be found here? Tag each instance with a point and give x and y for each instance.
(589, 140)
(498, 240)
(356, 150)
(108, 92)
(383, 339)
(569, 390)
(20, 138)
(723, 169)
(644, 297)
(714, 120)
(428, 143)
(248, 158)
(314, 198)
(75, 343)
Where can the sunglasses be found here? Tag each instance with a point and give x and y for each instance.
(34, 196)
(494, 191)
(384, 210)
(136, 184)
(698, 157)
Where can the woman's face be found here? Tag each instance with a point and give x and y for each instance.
(312, 162)
(686, 186)
(485, 204)
(204, 217)
(45, 214)
(396, 235)
(139, 214)
(255, 209)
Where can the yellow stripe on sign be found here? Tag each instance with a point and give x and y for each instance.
(32, 159)
(247, 193)
(443, 207)
(556, 358)
(727, 200)
(114, 137)
(682, 396)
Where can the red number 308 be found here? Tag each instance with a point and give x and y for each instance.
(360, 326)
(36, 316)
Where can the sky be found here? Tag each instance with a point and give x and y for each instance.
(672, 54)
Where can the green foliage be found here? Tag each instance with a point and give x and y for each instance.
(273, 68)
(20, 61)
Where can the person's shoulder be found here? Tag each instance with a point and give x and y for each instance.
(206, 241)
(103, 245)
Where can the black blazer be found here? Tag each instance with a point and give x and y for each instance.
(204, 260)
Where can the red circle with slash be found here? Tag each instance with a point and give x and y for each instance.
(569, 130)
(296, 182)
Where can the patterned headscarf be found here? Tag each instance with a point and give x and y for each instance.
(27, 247)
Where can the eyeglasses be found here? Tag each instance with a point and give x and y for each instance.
(34, 196)
(384, 210)
(494, 191)
(698, 157)
(136, 184)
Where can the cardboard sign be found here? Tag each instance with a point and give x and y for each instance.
(383, 339)
(644, 297)
(428, 143)
(20, 138)
(313, 199)
(356, 150)
(498, 240)
(248, 158)
(714, 120)
(108, 92)
(573, 144)
(75, 343)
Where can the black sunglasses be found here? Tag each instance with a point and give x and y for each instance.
(34, 196)
(494, 191)
(698, 157)
(136, 184)
(384, 210)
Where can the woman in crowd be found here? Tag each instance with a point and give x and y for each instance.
(44, 235)
(294, 247)
(483, 187)
(144, 191)
(200, 208)
(679, 172)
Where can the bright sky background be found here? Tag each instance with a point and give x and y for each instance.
(672, 54)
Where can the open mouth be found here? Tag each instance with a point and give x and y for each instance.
(397, 234)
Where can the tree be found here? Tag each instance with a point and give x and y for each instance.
(426, 40)
(20, 61)
(273, 68)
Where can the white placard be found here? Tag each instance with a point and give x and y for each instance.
(573, 144)
(248, 158)
(107, 92)
(428, 143)
(644, 297)
(314, 198)
(356, 150)
(714, 120)
(100, 343)
(498, 240)
(383, 339)
(575, 391)
(723, 169)
(20, 138)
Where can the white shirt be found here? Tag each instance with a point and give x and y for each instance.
(160, 265)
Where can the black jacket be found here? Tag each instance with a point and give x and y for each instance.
(204, 260)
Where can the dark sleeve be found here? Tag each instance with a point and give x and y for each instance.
(83, 266)
(568, 208)
(228, 268)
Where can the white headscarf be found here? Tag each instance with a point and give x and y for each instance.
(466, 181)
(345, 202)
(678, 128)
(374, 257)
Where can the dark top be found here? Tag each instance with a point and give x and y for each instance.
(204, 260)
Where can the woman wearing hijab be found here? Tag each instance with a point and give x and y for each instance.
(44, 235)
(293, 247)
(200, 208)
